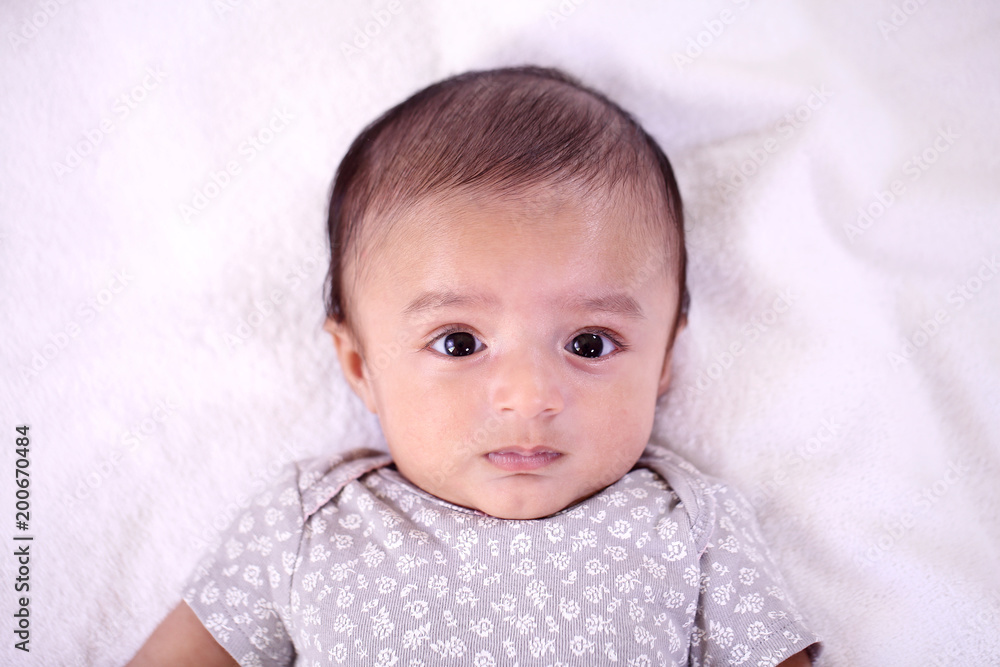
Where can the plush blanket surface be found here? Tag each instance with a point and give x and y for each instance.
(163, 175)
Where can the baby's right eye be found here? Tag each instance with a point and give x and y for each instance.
(457, 344)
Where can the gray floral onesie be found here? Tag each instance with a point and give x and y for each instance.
(345, 562)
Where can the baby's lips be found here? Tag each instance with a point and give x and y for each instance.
(524, 451)
(518, 459)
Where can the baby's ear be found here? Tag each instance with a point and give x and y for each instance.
(352, 360)
(665, 374)
(668, 359)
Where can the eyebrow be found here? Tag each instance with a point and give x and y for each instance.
(446, 299)
(615, 303)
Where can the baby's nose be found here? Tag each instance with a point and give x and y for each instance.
(528, 386)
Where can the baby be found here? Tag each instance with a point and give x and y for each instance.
(507, 280)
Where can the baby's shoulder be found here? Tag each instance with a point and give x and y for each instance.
(704, 498)
(321, 478)
(297, 489)
(279, 504)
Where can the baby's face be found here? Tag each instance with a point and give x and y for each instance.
(514, 352)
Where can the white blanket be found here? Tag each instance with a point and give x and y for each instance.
(163, 182)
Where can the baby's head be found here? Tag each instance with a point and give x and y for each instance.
(507, 278)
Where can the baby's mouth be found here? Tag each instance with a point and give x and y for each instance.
(516, 459)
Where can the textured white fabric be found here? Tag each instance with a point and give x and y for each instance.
(169, 362)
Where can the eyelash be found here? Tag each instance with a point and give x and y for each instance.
(453, 328)
(600, 331)
(610, 335)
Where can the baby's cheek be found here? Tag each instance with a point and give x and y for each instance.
(627, 401)
(437, 421)
(628, 418)
(407, 412)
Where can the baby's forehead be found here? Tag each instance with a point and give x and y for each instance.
(622, 214)
(624, 230)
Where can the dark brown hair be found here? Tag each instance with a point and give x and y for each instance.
(497, 132)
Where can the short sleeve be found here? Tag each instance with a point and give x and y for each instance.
(745, 614)
(241, 591)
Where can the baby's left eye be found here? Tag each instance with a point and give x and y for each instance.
(591, 345)
(457, 344)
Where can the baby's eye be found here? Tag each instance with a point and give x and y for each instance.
(591, 345)
(457, 344)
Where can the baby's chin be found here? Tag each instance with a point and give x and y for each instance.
(517, 500)
(521, 513)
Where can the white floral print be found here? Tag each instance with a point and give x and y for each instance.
(364, 568)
